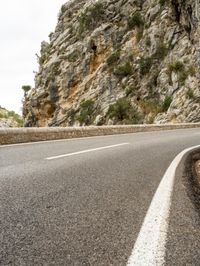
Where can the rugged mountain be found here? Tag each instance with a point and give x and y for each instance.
(119, 61)
(9, 118)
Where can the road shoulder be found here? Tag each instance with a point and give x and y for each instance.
(183, 242)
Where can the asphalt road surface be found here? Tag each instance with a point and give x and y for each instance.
(83, 201)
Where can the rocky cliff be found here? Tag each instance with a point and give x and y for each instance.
(119, 62)
(9, 118)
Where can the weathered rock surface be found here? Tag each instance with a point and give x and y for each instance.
(9, 119)
(119, 62)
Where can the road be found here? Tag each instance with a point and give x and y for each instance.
(83, 201)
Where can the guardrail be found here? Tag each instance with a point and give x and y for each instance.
(22, 135)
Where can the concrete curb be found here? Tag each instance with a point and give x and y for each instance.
(23, 135)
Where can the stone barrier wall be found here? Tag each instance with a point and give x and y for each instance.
(22, 135)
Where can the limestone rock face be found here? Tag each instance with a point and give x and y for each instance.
(119, 62)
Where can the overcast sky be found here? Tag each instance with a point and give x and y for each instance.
(24, 24)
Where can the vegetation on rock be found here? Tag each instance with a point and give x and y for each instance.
(26, 89)
(91, 16)
(113, 58)
(166, 104)
(123, 112)
(132, 62)
(124, 70)
(86, 115)
(135, 20)
(10, 118)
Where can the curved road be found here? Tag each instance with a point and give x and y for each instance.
(83, 201)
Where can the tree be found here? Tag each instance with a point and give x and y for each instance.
(26, 89)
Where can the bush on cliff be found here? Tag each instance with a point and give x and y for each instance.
(86, 114)
(123, 111)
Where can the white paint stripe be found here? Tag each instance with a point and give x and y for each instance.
(149, 249)
(86, 151)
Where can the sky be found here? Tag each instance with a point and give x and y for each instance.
(24, 24)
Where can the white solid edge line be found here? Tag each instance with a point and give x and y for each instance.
(149, 248)
(85, 151)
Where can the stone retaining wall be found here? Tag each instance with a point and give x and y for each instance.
(22, 135)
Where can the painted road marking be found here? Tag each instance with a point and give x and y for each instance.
(85, 151)
(149, 248)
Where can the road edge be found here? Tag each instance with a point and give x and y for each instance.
(25, 135)
(191, 180)
(149, 248)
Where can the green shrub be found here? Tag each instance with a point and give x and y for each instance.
(44, 51)
(63, 8)
(42, 59)
(177, 67)
(153, 82)
(97, 10)
(123, 111)
(135, 21)
(182, 77)
(139, 34)
(150, 109)
(130, 56)
(86, 112)
(4, 115)
(73, 57)
(148, 41)
(50, 35)
(11, 114)
(162, 2)
(124, 70)
(190, 94)
(150, 106)
(166, 103)
(161, 51)
(113, 58)
(91, 16)
(145, 65)
(130, 91)
(192, 71)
